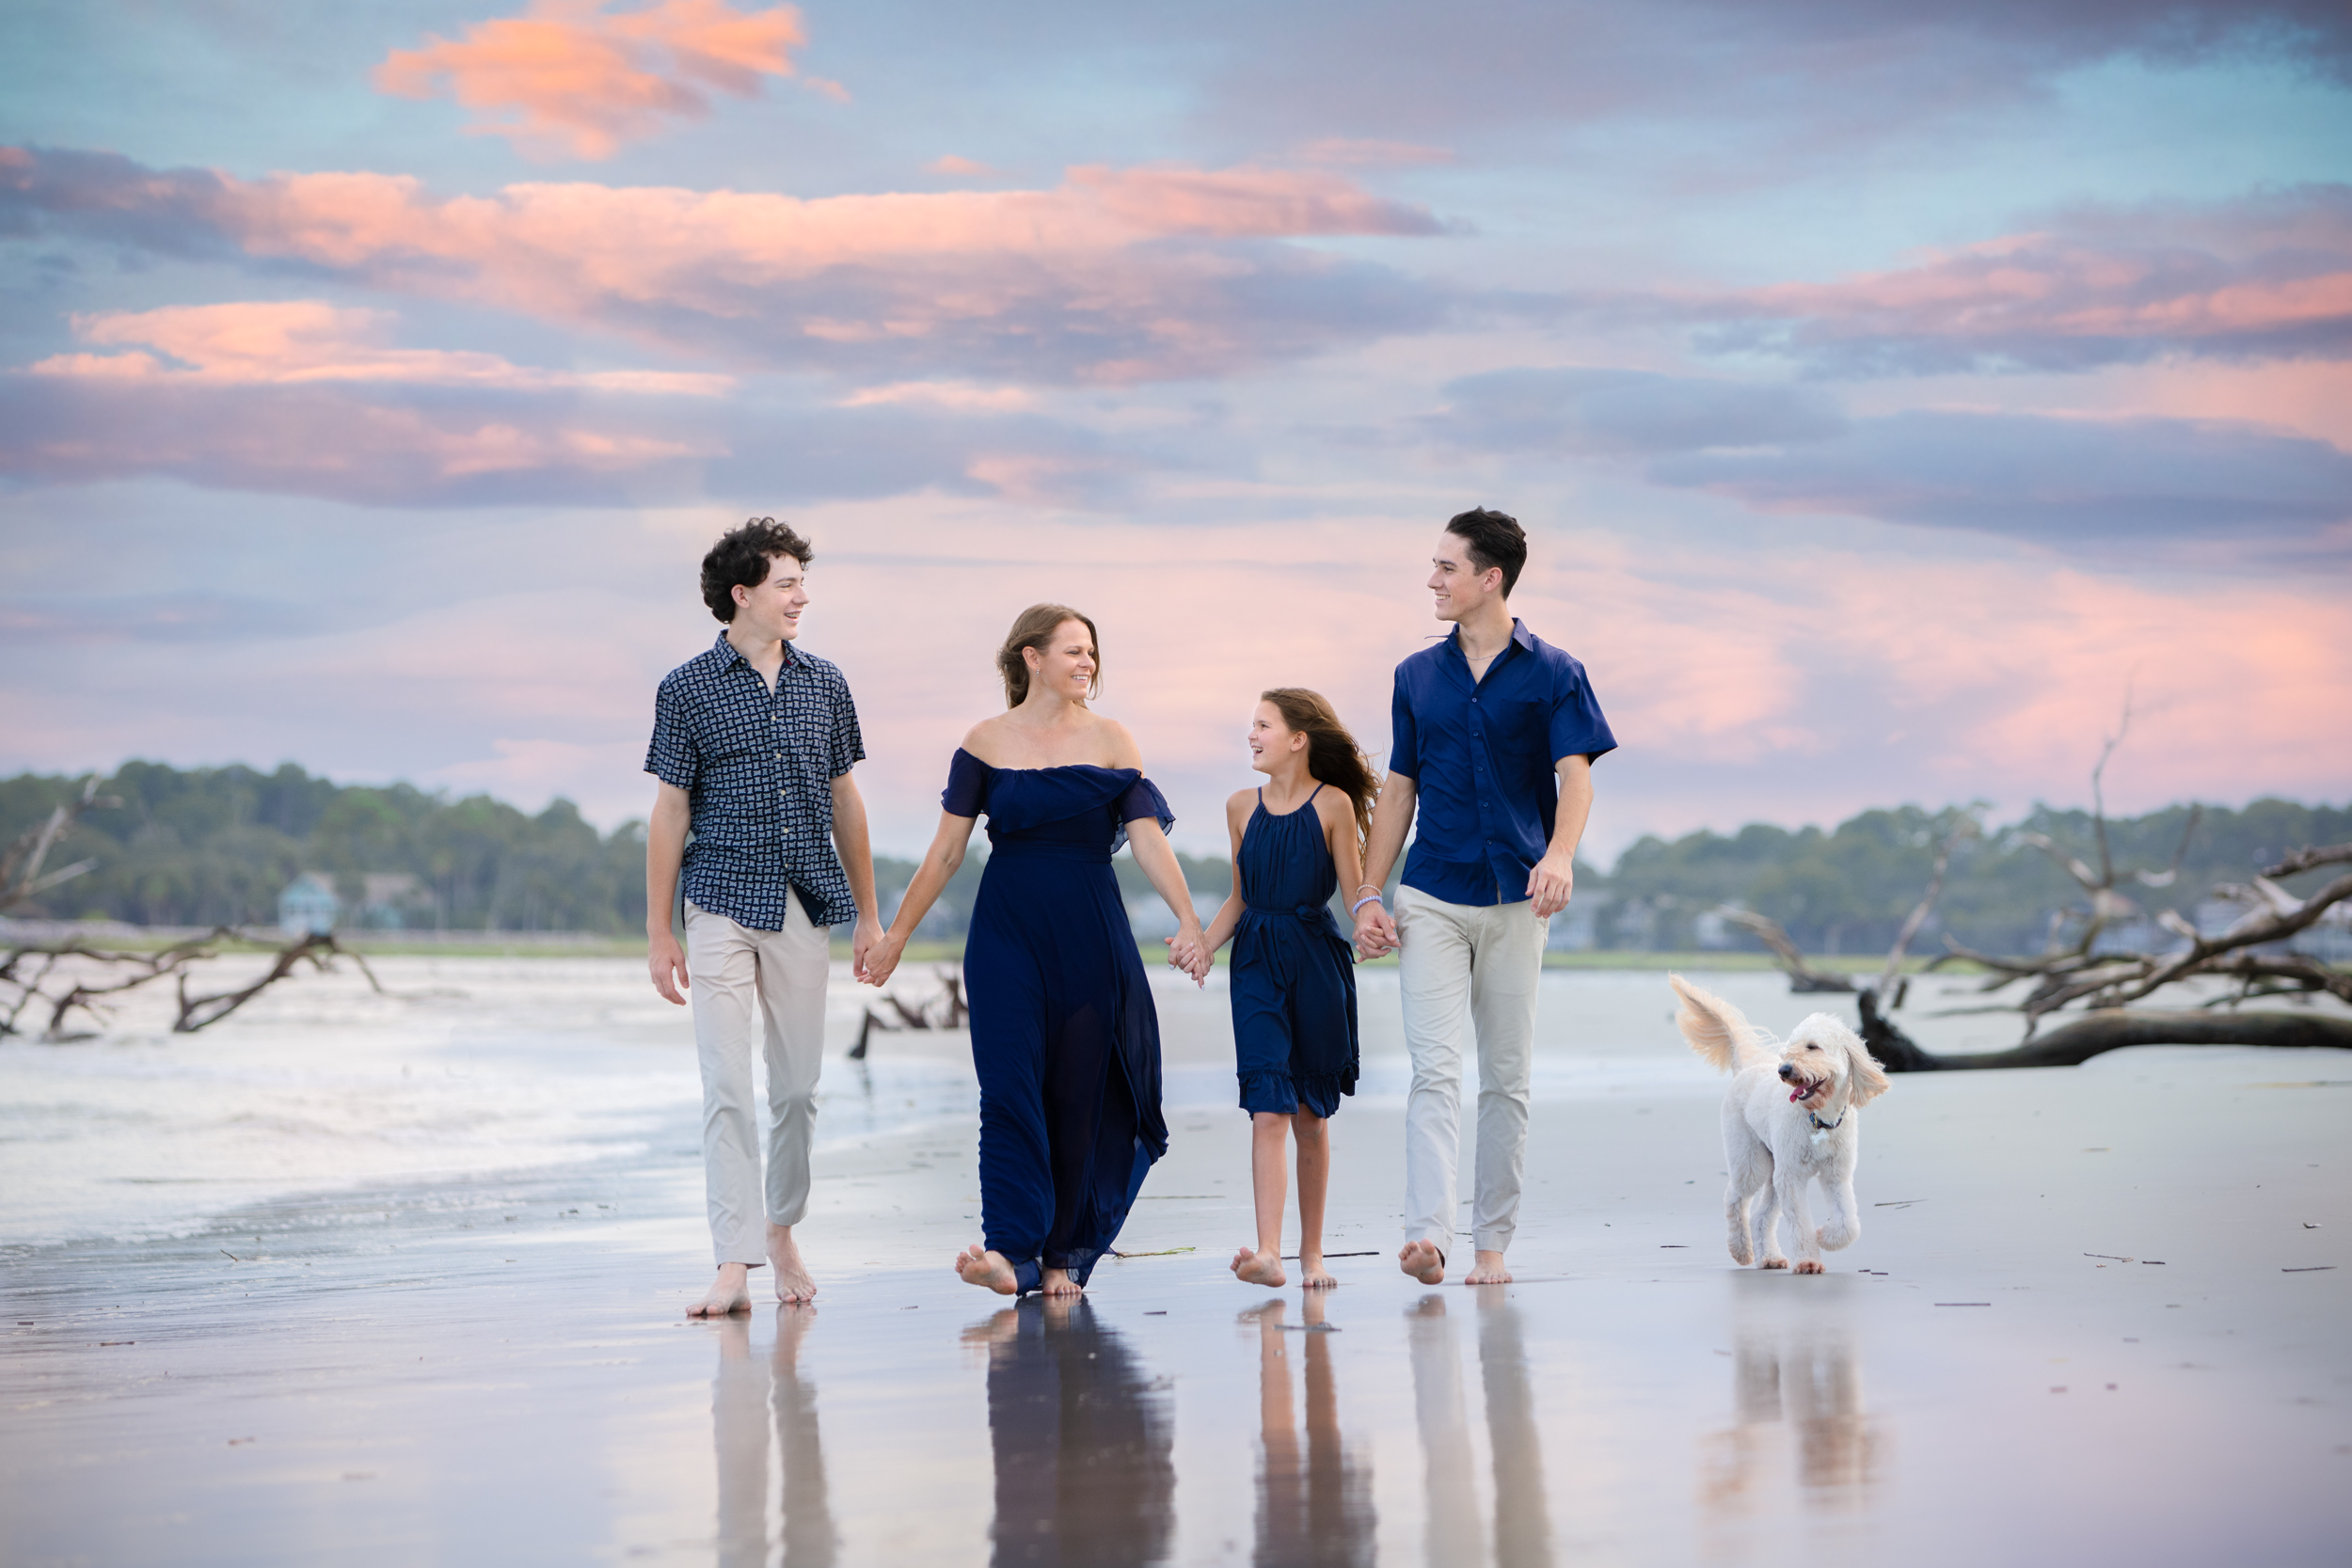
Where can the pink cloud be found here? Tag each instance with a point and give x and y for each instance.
(2267, 277)
(292, 342)
(1117, 274)
(566, 77)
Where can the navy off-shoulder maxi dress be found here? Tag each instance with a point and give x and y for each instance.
(1064, 1036)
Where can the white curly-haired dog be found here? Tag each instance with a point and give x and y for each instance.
(1792, 1116)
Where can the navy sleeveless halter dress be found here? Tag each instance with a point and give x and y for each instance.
(1293, 974)
(1064, 1036)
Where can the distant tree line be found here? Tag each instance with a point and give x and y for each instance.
(214, 845)
(217, 846)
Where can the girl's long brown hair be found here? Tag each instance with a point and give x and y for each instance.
(1034, 628)
(1332, 755)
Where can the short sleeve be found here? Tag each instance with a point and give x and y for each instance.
(670, 756)
(1578, 728)
(1404, 733)
(848, 745)
(1143, 799)
(967, 794)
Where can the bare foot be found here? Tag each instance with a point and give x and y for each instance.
(1487, 1269)
(1313, 1275)
(1056, 1282)
(1253, 1267)
(793, 1285)
(730, 1293)
(1000, 1329)
(987, 1268)
(1424, 1262)
(1774, 1264)
(1810, 1265)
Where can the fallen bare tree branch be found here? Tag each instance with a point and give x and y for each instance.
(26, 973)
(1802, 977)
(21, 878)
(2075, 1042)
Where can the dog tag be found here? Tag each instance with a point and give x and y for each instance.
(1821, 1137)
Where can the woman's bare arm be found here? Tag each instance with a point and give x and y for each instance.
(941, 862)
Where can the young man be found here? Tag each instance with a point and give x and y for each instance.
(753, 743)
(1496, 734)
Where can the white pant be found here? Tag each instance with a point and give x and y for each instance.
(1466, 964)
(748, 984)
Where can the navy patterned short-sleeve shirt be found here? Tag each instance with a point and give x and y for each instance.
(758, 767)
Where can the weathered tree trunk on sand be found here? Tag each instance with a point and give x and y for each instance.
(2111, 1029)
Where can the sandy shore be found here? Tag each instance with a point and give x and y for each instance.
(2094, 1314)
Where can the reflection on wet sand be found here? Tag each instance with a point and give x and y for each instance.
(1082, 1440)
(1522, 1520)
(746, 1398)
(1806, 1377)
(1319, 1510)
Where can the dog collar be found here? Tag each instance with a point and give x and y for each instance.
(1821, 1126)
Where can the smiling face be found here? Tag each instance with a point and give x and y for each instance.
(1271, 741)
(1825, 1064)
(1065, 666)
(1458, 589)
(773, 609)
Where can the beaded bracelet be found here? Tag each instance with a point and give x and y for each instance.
(1369, 898)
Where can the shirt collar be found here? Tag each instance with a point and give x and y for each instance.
(728, 651)
(1520, 634)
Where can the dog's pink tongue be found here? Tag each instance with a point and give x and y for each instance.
(1797, 1095)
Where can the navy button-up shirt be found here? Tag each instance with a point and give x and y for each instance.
(1482, 754)
(758, 767)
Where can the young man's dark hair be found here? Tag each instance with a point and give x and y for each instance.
(1495, 539)
(740, 559)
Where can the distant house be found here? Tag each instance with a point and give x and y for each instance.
(308, 906)
(387, 898)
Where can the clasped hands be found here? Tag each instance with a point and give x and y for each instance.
(1189, 951)
(1550, 885)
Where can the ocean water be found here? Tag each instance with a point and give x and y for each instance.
(465, 1065)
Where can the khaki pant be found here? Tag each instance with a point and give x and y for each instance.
(1467, 965)
(768, 986)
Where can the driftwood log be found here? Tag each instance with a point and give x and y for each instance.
(73, 976)
(2108, 983)
(949, 1012)
(2073, 1043)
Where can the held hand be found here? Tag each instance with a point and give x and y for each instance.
(1188, 950)
(1551, 884)
(667, 966)
(862, 938)
(881, 959)
(1375, 932)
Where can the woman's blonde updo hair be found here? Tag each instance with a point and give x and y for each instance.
(1034, 628)
(1332, 755)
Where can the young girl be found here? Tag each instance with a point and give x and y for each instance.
(1297, 840)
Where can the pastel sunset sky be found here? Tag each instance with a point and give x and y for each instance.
(1888, 390)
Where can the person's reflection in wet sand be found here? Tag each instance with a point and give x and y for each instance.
(1808, 1378)
(1318, 1511)
(1456, 1533)
(1522, 1518)
(1084, 1445)
(743, 1396)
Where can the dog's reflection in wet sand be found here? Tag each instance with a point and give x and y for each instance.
(1805, 1381)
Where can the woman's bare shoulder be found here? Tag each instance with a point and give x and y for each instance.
(987, 741)
(1122, 747)
(1239, 804)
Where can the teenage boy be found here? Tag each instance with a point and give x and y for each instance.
(752, 741)
(1496, 732)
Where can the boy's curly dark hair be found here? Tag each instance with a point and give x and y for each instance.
(743, 556)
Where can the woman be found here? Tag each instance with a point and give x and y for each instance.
(1064, 1036)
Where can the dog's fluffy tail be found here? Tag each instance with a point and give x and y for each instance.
(1716, 1029)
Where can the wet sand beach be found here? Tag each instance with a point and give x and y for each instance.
(2093, 1315)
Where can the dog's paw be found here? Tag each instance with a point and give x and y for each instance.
(1774, 1264)
(1810, 1265)
(1741, 1254)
